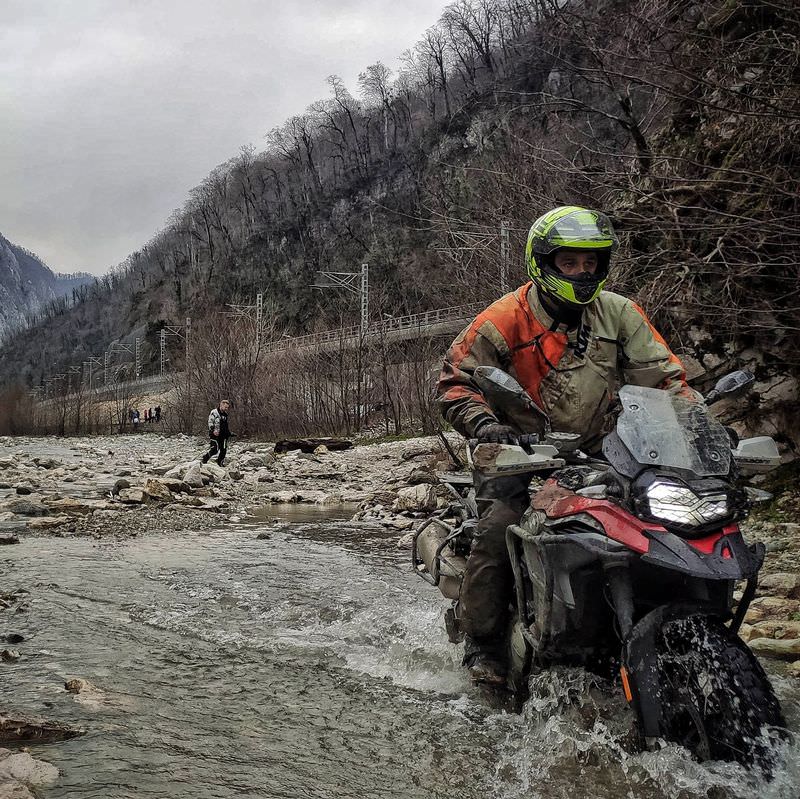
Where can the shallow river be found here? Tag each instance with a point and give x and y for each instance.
(312, 664)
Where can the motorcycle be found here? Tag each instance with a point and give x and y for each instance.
(630, 559)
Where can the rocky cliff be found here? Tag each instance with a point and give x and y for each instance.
(27, 285)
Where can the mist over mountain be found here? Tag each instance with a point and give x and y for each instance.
(27, 286)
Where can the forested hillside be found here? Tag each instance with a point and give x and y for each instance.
(680, 119)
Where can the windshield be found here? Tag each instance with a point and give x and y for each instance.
(662, 429)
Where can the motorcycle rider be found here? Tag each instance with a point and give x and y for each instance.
(570, 344)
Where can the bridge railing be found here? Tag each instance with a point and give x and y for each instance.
(388, 324)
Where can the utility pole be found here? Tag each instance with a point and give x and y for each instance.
(364, 298)
(504, 251)
(249, 312)
(138, 358)
(354, 282)
(92, 362)
(259, 318)
(73, 370)
(169, 330)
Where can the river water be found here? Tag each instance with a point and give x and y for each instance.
(311, 664)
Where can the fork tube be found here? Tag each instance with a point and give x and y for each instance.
(618, 579)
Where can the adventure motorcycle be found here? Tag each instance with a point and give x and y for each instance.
(629, 560)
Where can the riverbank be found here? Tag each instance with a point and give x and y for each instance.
(144, 486)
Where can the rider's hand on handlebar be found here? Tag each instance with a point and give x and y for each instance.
(496, 433)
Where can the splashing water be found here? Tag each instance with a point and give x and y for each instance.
(314, 664)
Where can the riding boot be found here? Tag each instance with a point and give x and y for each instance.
(485, 660)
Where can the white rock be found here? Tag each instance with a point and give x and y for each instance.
(23, 768)
(194, 476)
(416, 498)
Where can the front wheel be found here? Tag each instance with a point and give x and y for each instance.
(715, 698)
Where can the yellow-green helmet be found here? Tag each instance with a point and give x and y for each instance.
(574, 228)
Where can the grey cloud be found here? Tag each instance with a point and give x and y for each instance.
(112, 111)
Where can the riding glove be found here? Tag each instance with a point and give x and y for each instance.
(496, 433)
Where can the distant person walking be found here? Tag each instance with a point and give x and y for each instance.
(218, 432)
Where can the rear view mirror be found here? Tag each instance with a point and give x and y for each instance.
(733, 385)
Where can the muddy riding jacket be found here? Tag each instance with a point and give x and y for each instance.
(571, 374)
(218, 424)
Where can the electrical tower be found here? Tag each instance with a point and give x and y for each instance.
(354, 282)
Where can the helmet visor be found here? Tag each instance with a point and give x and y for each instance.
(580, 230)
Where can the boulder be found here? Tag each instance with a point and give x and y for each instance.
(418, 451)
(194, 476)
(48, 522)
(23, 490)
(71, 506)
(769, 607)
(76, 685)
(256, 462)
(214, 472)
(20, 730)
(329, 499)
(780, 584)
(46, 463)
(157, 490)
(119, 485)
(176, 472)
(406, 541)
(8, 538)
(415, 498)
(321, 450)
(9, 655)
(265, 476)
(176, 486)
(132, 496)
(794, 669)
(422, 477)
(782, 648)
(26, 507)
(24, 771)
(235, 474)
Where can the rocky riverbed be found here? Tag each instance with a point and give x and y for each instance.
(143, 485)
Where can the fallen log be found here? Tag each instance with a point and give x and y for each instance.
(310, 444)
(38, 730)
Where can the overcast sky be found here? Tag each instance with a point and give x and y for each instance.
(112, 110)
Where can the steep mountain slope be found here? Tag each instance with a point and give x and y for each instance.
(27, 286)
(679, 118)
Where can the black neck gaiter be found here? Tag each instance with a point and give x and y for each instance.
(561, 312)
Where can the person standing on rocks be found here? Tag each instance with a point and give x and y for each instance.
(568, 343)
(218, 432)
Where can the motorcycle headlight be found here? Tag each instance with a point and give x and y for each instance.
(679, 504)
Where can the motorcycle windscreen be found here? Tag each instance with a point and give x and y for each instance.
(663, 429)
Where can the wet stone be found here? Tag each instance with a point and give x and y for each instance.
(27, 507)
(782, 648)
(119, 485)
